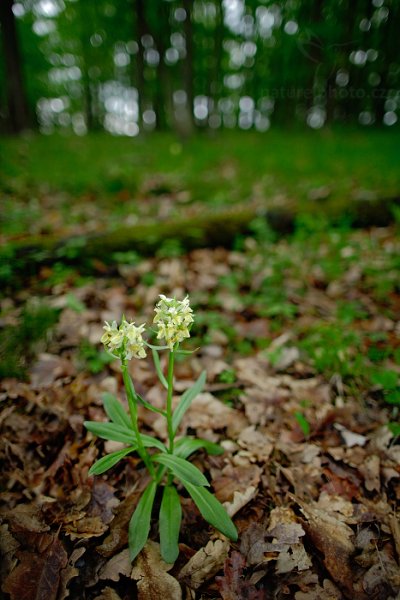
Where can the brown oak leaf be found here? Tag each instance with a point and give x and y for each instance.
(150, 572)
(234, 586)
(37, 577)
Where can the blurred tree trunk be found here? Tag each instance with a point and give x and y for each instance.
(87, 91)
(188, 73)
(18, 115)
(387, 62)
(161, 32)
(87, 21)
(162, 105)
(316, 51)
(141, 30)
(216, 77)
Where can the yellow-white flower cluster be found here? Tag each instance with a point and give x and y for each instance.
(124, 341)
(173, 318)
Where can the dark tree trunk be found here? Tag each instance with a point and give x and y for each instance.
(18, 115)
(141, 30)
(188, 74)
(217, 76)
(87, 90)
(162, 100)
(87, 21)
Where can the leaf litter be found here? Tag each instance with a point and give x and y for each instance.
(316, 508)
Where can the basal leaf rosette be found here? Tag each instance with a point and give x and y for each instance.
(173, 318)
(124, 341)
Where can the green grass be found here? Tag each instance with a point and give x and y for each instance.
(298, 168)
(20, 343)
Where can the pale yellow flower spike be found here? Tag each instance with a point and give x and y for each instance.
(124, 341)
(173, 318)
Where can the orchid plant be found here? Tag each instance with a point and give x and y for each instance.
(168, 466)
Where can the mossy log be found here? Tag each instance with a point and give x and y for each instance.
(377, 212)
(207, 230)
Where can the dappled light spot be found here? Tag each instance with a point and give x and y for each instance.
(291, 27)
(149, 118)
(316, 117)
(390, 118)
(366, 117)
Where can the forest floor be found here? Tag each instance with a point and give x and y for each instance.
(300, 338)
(301, 343)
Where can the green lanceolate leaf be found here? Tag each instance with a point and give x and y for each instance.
(157, 365)
(170, 523)
(139, 525)
(186, 400)
(149, 406)
(118, 433)
(212, 510)
(181, 468)
(115, 411)
(186, 446)
(150, 442)
(111, 431)
(105, 463)
(158, 348)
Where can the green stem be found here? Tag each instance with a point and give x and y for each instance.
(170, 381)
(131, 395)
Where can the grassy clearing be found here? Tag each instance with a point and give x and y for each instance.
(51, 182)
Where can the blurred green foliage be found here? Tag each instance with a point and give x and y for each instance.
(131, 65)
(19, 343)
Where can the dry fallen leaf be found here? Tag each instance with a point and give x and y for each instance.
(337, 506)
(118, 536)
(332, 537)
(236, 479)
(209, 413)
(286, 532)
(150, 572)
(37, 576)
(328, 592)
(204, 564)
(108, 594)
(395, 527)
(371, 471)
(257, 443)
(26, 517)
(118, 565)
(48, 368)
(8, 548)
(351, 439)
(83, 527)
(383, 578)
(234, 586)
(252, 542)
(240, 499)
(293, 557)
(69, 573)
